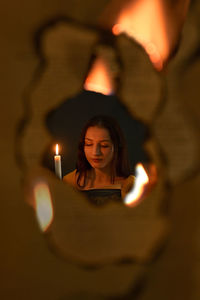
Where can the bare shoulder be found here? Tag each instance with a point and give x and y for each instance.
(70, 178)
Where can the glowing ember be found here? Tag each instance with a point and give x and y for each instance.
(99, 79)
(141, 180)
(43, 205)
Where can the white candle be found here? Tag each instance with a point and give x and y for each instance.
(57, 163)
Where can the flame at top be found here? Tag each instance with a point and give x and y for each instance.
(144, 21)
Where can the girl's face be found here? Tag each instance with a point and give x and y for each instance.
(98, 147)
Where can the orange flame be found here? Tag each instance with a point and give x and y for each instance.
(144, 21)
(141, 180)
(43, 205)
(99, 79)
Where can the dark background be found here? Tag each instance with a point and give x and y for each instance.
(65, 124)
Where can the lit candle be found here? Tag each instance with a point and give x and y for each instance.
(57, 162)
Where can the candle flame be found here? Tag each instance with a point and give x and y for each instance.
(141, 180)
(57, 149)
(99, 79)
(43, 205)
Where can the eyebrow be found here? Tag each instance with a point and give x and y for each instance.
(99, 141)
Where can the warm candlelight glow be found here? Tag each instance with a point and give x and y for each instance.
(141, 180)
(99, 79)
(57, 149)
(43, 205)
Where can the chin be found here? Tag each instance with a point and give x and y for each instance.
(97, 165)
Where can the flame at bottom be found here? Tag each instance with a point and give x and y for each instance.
(43, 205)
(135, 193)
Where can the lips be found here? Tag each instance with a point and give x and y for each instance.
(97, 160)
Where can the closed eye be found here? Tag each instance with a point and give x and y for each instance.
(105, 145)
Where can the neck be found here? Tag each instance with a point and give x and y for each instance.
(102, 175)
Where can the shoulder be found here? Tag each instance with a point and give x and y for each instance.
(71, 178)
(127, 185)
(125, 181)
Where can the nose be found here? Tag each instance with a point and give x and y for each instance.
(97, 149)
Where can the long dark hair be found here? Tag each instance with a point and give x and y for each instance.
(120, 162)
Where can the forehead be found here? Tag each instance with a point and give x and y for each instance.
(97, 134)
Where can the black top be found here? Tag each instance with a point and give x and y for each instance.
(103, 196)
